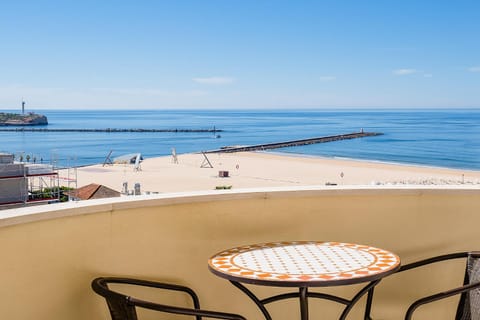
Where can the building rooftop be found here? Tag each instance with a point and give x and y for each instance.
(93, 191)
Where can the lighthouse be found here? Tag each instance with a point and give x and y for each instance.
(23, 106)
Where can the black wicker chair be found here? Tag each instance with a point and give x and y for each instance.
(124, 307)
(469, 304)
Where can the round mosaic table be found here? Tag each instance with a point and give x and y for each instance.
(304, 264)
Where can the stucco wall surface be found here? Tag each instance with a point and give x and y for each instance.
(51, 253)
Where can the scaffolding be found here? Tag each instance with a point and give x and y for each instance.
(70, 180)
(26, 183)
(43, 184)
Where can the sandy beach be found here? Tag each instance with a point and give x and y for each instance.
(257, 169)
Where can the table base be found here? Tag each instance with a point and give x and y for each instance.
(303, 294)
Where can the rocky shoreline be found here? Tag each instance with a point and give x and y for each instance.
(29, 119)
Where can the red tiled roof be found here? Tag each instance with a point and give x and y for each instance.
(93, 191)
(86, 192)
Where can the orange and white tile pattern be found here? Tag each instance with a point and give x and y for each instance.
(303, 261)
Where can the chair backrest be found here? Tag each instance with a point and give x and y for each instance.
(118, 304)
(469, 306)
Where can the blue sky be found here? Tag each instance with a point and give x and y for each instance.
(239, 54)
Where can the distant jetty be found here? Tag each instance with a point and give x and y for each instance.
(295, 143)
(113, 130)
(29, 119)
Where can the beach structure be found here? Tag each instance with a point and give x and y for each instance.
(131, 158)
(174, 156)
(26, 183)
(108, 160)
(206, 162)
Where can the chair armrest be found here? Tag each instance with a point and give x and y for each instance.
(439, 296)
(428, 261)
(185, 311)
(158, 285)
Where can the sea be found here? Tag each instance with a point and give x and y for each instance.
(426, 137)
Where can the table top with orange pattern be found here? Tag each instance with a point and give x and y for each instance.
(304, 263)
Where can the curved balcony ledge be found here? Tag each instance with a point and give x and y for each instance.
(51, 253)
(37, 213)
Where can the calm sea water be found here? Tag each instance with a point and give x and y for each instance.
(446, 138)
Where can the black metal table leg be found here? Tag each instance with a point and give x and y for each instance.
(303, 303)
(368, 308)
(254, 299)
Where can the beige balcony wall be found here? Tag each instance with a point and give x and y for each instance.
(51, 253)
